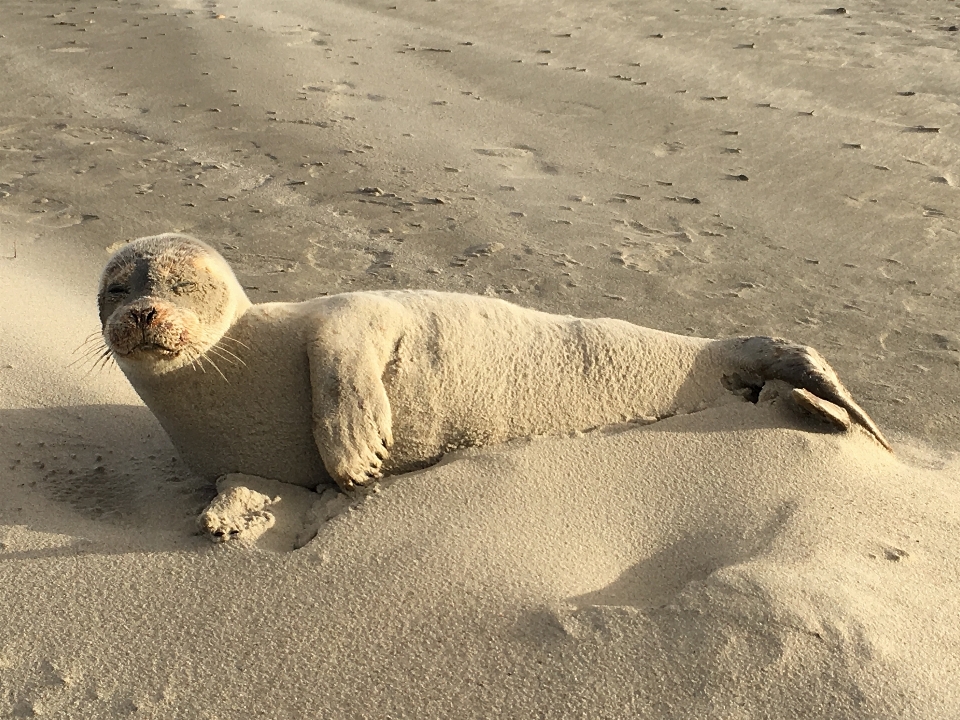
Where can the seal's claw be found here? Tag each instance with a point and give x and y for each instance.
(827, 411)
(358, 469)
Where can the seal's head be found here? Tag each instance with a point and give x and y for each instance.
(166, 300)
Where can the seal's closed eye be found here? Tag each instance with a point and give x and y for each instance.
(117, 290)
(184, 286)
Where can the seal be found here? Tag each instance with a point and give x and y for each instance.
(359, 385)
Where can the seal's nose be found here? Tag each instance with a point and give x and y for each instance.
(143, 316)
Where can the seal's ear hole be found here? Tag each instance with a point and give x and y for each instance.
(745, 385)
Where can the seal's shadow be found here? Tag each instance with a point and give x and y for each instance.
(105, 475)
(692, 558)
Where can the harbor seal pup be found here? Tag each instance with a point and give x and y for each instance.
(361, 384)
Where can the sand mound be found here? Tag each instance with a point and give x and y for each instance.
(708, 566)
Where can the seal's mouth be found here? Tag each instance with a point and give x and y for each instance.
(151, 349)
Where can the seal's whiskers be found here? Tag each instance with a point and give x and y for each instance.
(215, 367)
(94, 343)
(93, 348)
(227, 356)
(238, 342)
(102, 361)
(91, 352)
(197, 362)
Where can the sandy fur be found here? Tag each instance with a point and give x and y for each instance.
(427, 372)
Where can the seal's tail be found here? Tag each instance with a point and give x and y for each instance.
(767, 358)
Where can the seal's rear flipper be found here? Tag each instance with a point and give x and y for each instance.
(817, 386)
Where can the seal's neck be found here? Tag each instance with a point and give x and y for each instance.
(241, 303)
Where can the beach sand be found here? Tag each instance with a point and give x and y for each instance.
(766, 168)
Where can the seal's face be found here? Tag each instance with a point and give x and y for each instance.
(165, 301)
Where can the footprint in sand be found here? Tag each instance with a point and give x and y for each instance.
(661, 253)
(520, 161)
(665, 149)
(56, 215)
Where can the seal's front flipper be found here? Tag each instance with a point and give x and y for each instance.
(252, 511)
(817, 387)
(352, 421)
(237, 513)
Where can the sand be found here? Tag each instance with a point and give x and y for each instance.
(765, 168)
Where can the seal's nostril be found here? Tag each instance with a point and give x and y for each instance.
(143, 316)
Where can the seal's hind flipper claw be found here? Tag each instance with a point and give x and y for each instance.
(823, 409)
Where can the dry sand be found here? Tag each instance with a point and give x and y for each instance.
(769, 167)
